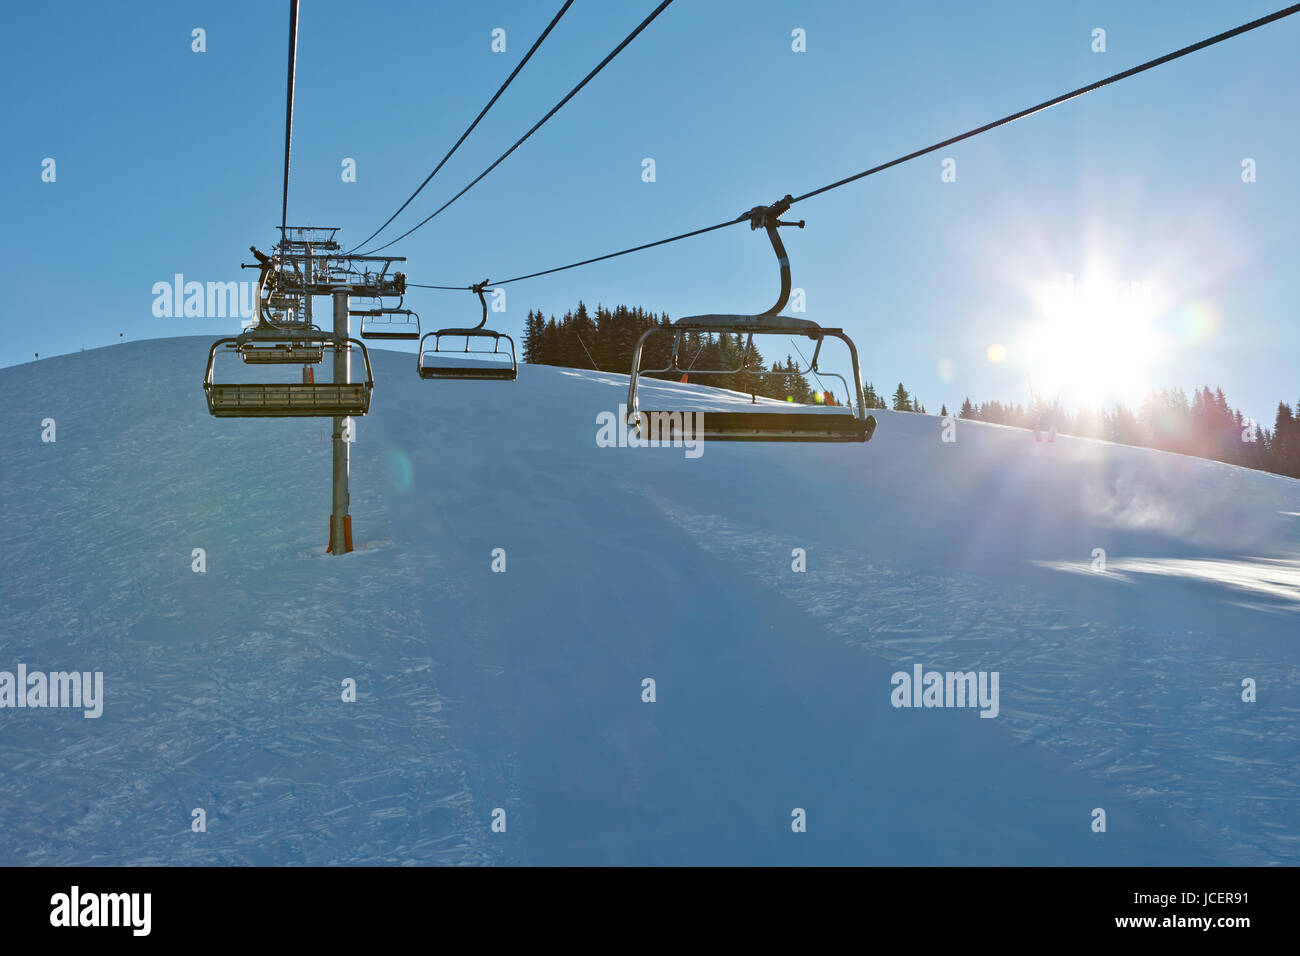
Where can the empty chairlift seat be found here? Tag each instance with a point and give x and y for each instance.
(389, 323)
(455, 359)
(752, 421)
(287, 399)
(464, 355)
(300, 352)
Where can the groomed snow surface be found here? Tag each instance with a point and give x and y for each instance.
(1120, 690)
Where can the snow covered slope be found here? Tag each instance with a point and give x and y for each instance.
(1120, 690)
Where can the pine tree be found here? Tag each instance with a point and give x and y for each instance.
(1123, 426)
(902, 401)
(582, 330)
(550, 343)
(1285, 457)
(796, 386)
(1293, 443)
(529, 344)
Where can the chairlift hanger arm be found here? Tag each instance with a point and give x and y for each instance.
(477, 289)
(263, 260)
(769, 218)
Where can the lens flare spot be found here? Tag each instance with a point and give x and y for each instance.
(399, 470)
(945, 370)
(1196, 322)
(997, 353)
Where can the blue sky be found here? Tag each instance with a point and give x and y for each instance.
(170, 161)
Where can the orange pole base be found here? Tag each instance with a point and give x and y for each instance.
(347, 535)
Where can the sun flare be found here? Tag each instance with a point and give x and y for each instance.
(1094, 343)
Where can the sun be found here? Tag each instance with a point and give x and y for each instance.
(1094, 343)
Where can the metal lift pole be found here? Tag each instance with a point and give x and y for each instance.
(308, 277)
(340, 521)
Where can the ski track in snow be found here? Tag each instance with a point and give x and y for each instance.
(478, 690)
(1142, 706)
(216, 686)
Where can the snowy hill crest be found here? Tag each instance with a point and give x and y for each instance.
(478, 691)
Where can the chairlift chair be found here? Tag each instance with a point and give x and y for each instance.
(287, 399)
(384, 323)
(452, 363)
(279, 336)
(293, 343)
(283, 353)
(847, 423)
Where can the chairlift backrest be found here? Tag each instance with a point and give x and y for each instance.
(307, 399)
(289, 343)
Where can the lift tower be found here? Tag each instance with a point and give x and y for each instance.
(307, 262)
